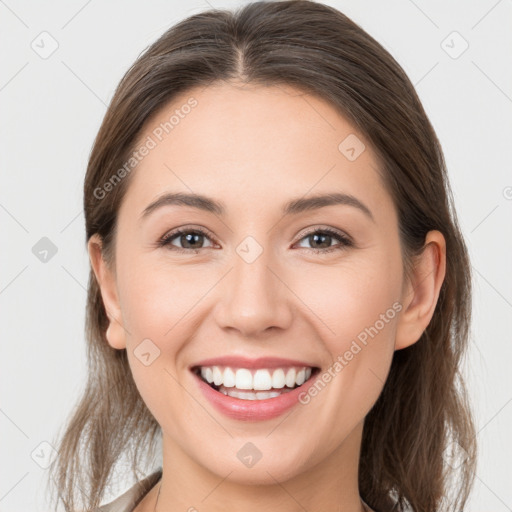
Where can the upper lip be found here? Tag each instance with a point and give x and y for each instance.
(245, 362)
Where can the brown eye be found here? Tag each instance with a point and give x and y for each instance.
(324, 238)
(190, 240)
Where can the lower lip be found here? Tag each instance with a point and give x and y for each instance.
(253, 410)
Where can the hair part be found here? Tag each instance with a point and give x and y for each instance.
(424, 407)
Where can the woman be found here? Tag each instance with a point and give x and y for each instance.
(279, 287)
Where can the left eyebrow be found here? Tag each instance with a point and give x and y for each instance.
(321, 201)
(292, 207)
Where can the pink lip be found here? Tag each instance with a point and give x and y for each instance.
(253, 410)
(244, 362)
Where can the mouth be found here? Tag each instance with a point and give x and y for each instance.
(255, 383)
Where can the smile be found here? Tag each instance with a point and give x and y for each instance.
(253, 389)
(251, 384)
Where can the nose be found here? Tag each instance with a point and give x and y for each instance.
(254, 298)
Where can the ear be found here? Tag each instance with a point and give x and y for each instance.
(421, 292)
(116, 335)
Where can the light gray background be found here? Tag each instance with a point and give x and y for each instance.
(51, 111)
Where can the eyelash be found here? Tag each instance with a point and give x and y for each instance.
(345, 241)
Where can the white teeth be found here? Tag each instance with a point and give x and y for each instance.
(217, 376)
(251, 394)
(229, 378)
(270, 394)
(207, 374)
(247, 395)
(262, 380)
(256, 380)
(278, 379)
(290, 378)
(243, 379)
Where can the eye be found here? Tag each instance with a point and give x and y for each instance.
(324, 237)
(191, 239)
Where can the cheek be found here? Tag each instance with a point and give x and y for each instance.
(356, 309)
(348, 299)
(155, 302)
(157, 297)
(160, 304)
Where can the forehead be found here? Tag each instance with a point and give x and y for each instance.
(253, 145)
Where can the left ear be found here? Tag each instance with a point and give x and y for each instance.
(420, 294)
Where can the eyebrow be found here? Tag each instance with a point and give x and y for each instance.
(292, 207)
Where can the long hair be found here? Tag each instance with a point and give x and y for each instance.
(423, 412)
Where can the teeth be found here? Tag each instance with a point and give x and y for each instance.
(207, 374)
(252, 394)
(278, 379)
(290, 378)
(262, 380)
(228, 378)
(248, 395)
(255, 380)
(243, 379)
(217, 376)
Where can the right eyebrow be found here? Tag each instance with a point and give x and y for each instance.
(182, 199)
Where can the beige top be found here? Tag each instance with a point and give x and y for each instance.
(133, 496)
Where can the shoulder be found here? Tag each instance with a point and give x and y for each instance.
(129, 499)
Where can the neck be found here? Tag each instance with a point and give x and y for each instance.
(330, 483)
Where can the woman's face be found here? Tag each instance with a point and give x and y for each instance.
(251, 286)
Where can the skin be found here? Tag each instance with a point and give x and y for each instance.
(255, 148)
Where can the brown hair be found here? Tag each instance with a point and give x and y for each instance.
(423, 408)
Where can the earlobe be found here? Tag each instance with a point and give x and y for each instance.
(421, 293)
(105, 277)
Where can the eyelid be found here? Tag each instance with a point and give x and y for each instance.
(345, 240)
(324, 229)
(186, 228)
